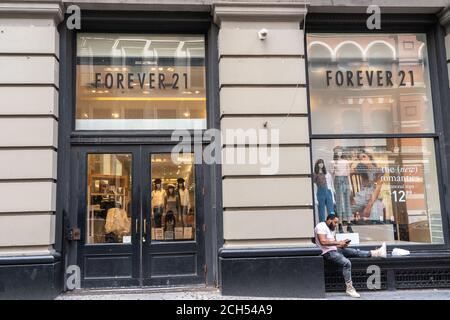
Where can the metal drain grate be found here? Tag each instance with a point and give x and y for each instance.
(334, 281)
(422, 278)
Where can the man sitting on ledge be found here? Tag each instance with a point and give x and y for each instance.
(337, 252)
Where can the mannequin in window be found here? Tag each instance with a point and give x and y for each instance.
(183, 194)
(173, 203)
(324, 195)
(158, 202)
(340, 169)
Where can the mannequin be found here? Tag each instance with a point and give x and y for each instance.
(183, 194)
(159, 198)
(324, 196)
(341, 172)
(173, 203)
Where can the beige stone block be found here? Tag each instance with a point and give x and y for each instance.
(266, 192)
(27, 230)
(238, 41)
(36, 196)
(18, 100)
(275, 160)
(28, 164)
(447, 46)
(262, 71)
(268, 224)
(29, 70)
(263, 101)
(258, 25)
(29, 38)
(28, 132)
(248, 130)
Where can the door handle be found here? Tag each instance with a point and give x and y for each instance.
(145, 226)
(137, 226)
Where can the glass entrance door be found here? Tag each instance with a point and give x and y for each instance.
(140, 214)
(173, 250)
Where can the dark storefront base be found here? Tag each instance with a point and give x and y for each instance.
(417, 271)
(256, 272)
(303, 273)
(36, 278)
(272, 273)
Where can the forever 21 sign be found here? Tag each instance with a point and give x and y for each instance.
(145, 80)
(359, 78)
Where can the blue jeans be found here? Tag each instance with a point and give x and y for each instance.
(343, 208)
(325, 199)
(340, 256)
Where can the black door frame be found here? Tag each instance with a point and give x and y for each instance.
(139, 255)
(69, 139)
(103, 254)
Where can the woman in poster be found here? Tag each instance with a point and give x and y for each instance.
(367, 201)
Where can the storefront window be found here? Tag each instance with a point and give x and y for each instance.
(173, 198)
(381, 188)
(140, 82)
(387, 189)
(109, 198)
(370, 84)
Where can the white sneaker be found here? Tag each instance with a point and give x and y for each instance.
(352, 292)
(381, 252)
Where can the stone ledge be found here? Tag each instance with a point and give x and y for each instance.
(265, 11)
(49, 10)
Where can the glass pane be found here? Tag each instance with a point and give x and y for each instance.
(173, 197)
(140, 82)
(387, 189)
(371, 84)
(109, 198)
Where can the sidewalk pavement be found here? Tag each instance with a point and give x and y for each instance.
(202, 293)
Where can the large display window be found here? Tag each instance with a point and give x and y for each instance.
(383, 189)
(373, 150)
(140, 82)
(372, 84)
